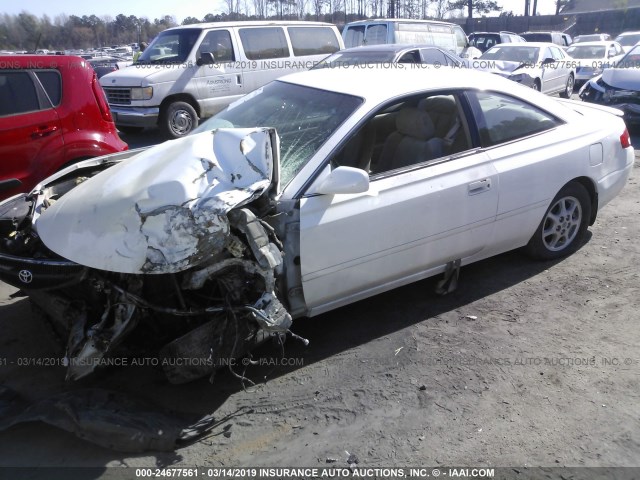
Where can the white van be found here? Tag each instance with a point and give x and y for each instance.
(194, 71)
(447, 36)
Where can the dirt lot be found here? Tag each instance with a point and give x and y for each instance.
(526, 364)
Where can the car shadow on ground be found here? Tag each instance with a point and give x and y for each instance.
(330, 334)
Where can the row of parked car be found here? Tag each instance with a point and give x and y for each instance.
(310, 192)
(190, 73)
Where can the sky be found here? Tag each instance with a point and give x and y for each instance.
(159, 8)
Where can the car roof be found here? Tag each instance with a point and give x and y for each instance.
(525, 44)
(403, 20)
(635, 32)
(388, 47)
(598, 43)
(396, 81)
(43, 61)
(252, 23)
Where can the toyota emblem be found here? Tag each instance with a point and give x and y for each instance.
(25, 276)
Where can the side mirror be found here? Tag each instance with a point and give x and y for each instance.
(206, 58)
(344, 180)
(548, 61)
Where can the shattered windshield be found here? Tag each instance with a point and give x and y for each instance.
(304, 118)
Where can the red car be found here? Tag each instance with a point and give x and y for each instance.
(53, 112)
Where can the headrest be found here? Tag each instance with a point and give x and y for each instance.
(441, 104)
(415, 123)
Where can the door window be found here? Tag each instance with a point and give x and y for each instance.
(217, 42)
(416, 131)
(17, 93)
(313, 41)
(261, 43)
(501, 118)
(52, 84)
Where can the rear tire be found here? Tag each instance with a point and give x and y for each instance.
(178, 119)
(568, 88)
(563, 227)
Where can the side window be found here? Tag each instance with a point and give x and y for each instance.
(501, 118)
(313, 40)
(51, 81)
(261, 43)
(415, 131)
(219, 43)
(410, 57)
(376, 35)
(17, 93)
(354, 36)
(461, 37)
(433, 56)
(558, 55)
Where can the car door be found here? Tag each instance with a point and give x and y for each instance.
(412, 220)
(222, 82)
(29, 127)
(527, 145)
(563, 67)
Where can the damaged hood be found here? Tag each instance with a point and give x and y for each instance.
(623, 78)
(164, 210)
(505, 67)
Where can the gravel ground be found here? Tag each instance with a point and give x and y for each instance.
(526, 364)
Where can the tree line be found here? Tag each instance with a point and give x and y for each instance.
(27, 32)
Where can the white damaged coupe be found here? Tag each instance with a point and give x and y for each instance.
(320, 189)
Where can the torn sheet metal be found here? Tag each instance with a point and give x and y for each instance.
(110, 419)
(163, 210)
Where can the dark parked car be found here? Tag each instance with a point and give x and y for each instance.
(391, 53)
(483, 41)
(104, 65)
(53, 112)
(594, 37)
(559, 38)
(618, 87)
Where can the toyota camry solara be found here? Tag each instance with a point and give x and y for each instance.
(315, 191)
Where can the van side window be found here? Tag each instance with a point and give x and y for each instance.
(261, 43)
(461, 37)
(313, 41)
(354, 36)
(17, 93)
(219, 43)
(376, 35)
(51, 81)
(442, 37)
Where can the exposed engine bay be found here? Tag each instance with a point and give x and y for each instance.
(168, 252)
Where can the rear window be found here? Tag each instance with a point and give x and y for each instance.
(376, 34)
(50, 80)
(261, 43)
(313, 40)
(537, 37)
(17, 93)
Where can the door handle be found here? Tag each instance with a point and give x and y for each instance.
(480, 186)
(239, 80)
(43, 131)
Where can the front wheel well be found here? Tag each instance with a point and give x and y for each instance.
(181, 97)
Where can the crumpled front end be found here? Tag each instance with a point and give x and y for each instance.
(168, 254)
(617, 88)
